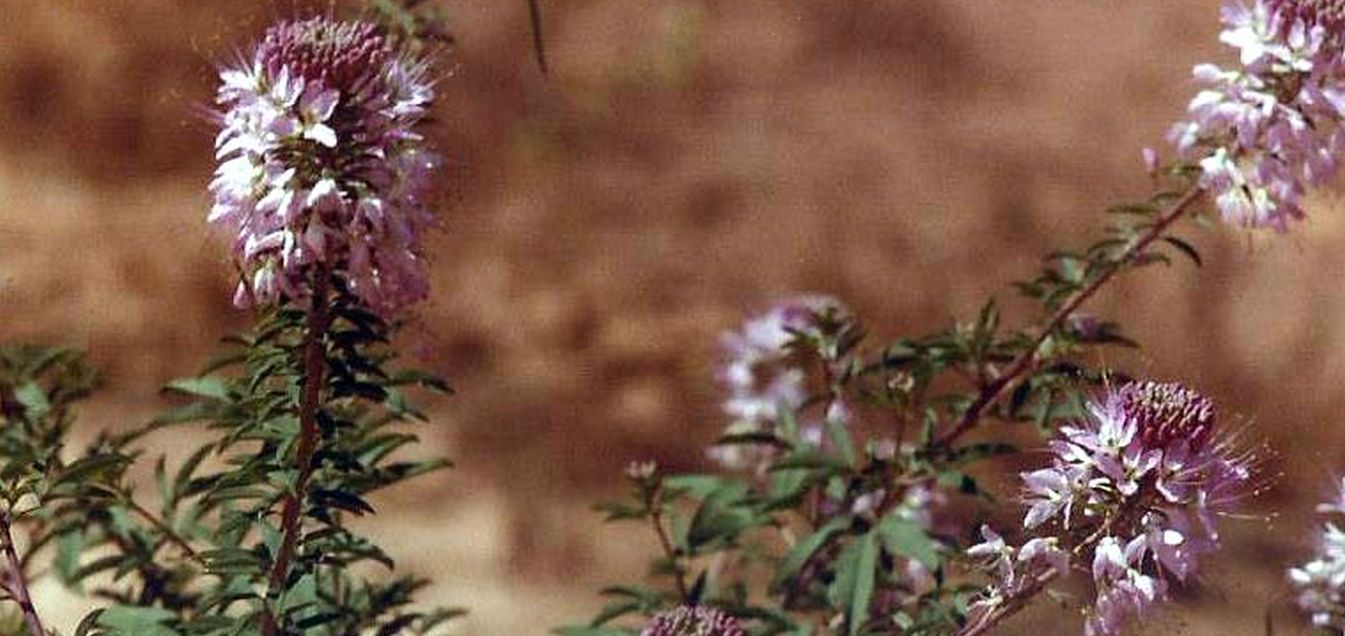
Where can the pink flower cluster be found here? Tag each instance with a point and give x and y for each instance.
(321, 164)
(1133, 493)
(1266, 130)
(697, 620)
(765, 377)
(1319, 584)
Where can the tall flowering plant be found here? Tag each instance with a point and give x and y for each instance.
(849, 502)
(322, 186)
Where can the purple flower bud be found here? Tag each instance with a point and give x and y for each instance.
(1165, 413)
(1150, 157)
(1325, 14)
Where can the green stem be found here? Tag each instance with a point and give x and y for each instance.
(679, 573)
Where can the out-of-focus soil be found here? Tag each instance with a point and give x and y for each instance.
(685, 162)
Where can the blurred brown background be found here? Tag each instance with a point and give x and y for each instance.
(685, 162)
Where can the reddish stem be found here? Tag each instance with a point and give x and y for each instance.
(1024, 362)
(315, 365)
(15, 583)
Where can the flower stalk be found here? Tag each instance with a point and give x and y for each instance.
(678, 571)
(314, 372)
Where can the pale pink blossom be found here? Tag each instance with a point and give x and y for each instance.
(1267, 130)
(322, 166)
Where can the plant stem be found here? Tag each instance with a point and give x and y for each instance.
(538, 44)
(656, 516)
(15, 583)
(1024, 362)
(314, 368)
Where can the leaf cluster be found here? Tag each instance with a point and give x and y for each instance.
(196, 556)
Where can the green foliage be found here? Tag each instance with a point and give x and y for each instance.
(833, 536)
(302, 423)
(204, 557)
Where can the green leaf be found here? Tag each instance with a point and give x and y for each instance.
(343, 500)
(906, 538)
(590, 631)
(856, 573)
(620, 510)
(69, 547)
(420, 378)
(193, 412)
(804, 550)
(231, 561)
(1137, 209)
(719, 519)
(756, 438)
(207, 387)
(95, 467)
(33, 399)
(808, 458)
(89, 622)
(839, 434)
(1185, 248)
(319, 619)
(137, 621)
(698, 486)
(616, 610)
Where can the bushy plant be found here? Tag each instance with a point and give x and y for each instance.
(849, 500)
(323, 187)
(849, 503)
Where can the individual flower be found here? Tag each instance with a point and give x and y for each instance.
(693, 620)
(1016, 570)
(765, 376)
(1265, 131)
(322, 168)
(1319, 584)
(1132, 494)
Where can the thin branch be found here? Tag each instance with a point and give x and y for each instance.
(162, 526)
(315, 365)
(679, 574)
(1025, 361)
(15, 583)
